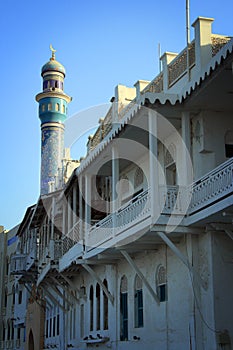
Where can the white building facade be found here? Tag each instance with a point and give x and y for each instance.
(13, 296)
(135, 250)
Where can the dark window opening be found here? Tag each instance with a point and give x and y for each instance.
(161, 290)
(20, 297)
(105, 304)
(139, 309)
(54, 326)
(229, 151)
(124, 316)
(58, 324)
(97, 306)
(47, 329)
(91, 300)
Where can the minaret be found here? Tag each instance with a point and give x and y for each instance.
(52, 113)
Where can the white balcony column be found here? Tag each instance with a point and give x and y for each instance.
(64, 218)
(69, 216)
(115, 180)
(80, 215)
(154, 165)
(186, 149)
(87, 202)
(74, 203)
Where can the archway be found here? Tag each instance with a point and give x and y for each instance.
(31, 341)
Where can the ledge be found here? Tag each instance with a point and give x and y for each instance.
(96, 340)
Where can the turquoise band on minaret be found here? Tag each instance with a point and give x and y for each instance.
(52, 113)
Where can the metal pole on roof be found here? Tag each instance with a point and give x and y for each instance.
(187, 23)
(159, 54)
(187, 35)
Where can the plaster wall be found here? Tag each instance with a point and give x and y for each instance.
(208, 145)
(166, 326)
(223, 284)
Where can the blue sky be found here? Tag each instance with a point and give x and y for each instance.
(101, 44)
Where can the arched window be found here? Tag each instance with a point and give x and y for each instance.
(49, 106)
(58, 324)
(31, 341)
(57, 107)
(105, 306)
(20, 297)
(124, 309)
(161, 283)
(12, 331)
(138, 302)
(5, 297)
(229, 144)
(8, 330)
(170, 166)
(3, 331)
(63, 108)
(13, 295)
(97, 294)
(138, 177)
(91, 302)
(18, 333)
(54, 325)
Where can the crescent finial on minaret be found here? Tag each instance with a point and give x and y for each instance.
(53, 51)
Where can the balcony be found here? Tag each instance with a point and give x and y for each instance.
(174, 199)
(114, 226)
(72, 238)
(18, 264)
(134, 217)
(213, 187)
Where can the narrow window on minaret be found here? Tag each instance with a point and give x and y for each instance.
(57, 107)
(49, 106)
(64, 109)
